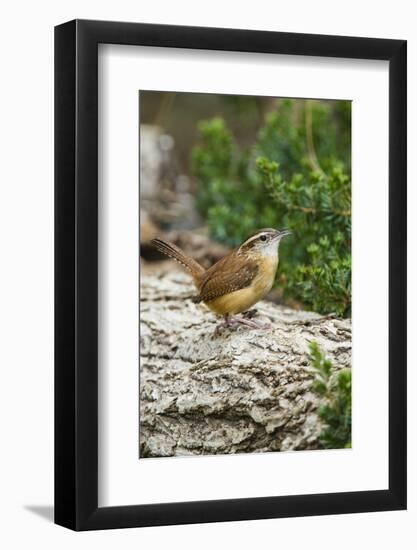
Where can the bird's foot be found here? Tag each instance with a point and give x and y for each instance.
(226, 323)
(249, 315)
(252, 323)
(229, 322)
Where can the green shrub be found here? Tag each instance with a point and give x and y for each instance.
(335, 389)
(296, 175)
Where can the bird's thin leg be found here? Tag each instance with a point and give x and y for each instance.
(227, 322)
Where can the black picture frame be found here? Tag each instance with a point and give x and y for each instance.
(76, 272)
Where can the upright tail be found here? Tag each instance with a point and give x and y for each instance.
(177, 254)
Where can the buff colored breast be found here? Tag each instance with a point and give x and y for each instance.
(241, 300)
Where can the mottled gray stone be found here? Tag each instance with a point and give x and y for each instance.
(238, 391)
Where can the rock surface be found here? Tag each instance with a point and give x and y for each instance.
(165, 192)
(239, 390)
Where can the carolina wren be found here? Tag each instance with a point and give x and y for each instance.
(239, 280)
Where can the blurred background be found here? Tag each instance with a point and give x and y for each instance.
(216, 168)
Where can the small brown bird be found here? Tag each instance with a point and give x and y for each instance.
(239, 280)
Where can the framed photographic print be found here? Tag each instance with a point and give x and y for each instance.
(230, 252)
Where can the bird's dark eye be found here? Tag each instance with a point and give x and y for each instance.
(263, 238)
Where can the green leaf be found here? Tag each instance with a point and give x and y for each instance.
(336, 409)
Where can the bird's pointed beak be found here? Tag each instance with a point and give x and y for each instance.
(282, 233)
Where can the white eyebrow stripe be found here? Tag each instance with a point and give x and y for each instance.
(254, 237)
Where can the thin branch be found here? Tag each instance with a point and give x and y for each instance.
(312, 155)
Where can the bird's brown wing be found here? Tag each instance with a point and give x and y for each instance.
(227, 275)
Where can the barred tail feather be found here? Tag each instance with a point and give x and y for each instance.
(177, 254)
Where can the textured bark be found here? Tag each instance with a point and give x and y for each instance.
(241, 390)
